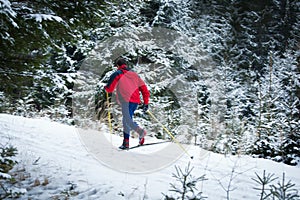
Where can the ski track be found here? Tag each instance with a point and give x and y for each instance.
(56, 152)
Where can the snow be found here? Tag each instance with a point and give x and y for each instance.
(46, 17)
(6, 8)
(3, 175)
(86, 164)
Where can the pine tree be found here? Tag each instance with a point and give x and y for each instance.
(41, 44)
(185, 186)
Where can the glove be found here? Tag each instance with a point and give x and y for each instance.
(145, 108)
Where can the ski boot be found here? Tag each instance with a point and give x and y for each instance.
(125, 144)
(142, 133)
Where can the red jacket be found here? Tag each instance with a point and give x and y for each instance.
(128, 86)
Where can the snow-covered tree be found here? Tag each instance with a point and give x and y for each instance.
(41, 43)
(224, 72)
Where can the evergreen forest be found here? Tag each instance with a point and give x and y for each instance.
(223, 74)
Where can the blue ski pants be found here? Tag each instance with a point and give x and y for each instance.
(128, 109)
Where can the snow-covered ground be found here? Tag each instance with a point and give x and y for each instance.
(57, 160)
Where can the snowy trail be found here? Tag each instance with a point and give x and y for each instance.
(66, 156)
(139, 160)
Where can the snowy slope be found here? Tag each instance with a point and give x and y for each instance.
(74, 162)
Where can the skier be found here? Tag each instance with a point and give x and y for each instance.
(128, 87)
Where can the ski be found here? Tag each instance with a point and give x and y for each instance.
(147, 144)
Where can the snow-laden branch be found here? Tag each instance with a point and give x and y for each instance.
(44, 17)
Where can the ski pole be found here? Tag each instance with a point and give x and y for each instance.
(170, 134)
(108, 113)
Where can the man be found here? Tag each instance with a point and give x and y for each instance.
(128, 87)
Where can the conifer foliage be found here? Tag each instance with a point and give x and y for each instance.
(185, 186)
(7, 162)
(227, 77)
